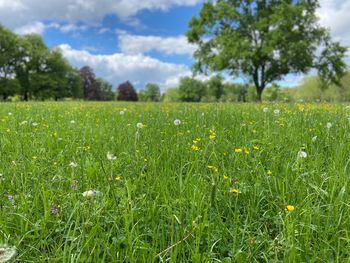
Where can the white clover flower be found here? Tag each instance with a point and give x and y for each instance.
(276, 111)
(73, 164)
(10, 113)
(177, 122)
(265, 110)
(23, 123)
(329, 125)
(89, 194)
(35, 124)
(72, 121)
(302, 154)
(122, 113)
(139, 125)
(111, 156)
(6, 253)
(314, 139)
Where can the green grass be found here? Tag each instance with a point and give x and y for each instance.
(159, 201)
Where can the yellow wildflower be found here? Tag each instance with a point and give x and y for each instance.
(290, 208)
(213, 168)
(238, 150)
(234, 190)
(269, 172)
(195, 148)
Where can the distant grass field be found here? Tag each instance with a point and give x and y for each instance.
(229, 183)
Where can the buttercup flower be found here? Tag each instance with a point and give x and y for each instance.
(290, 208)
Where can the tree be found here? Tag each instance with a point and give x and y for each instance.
(31, 62)
(91, 90)
(150, 93)
(126, 92)
(171, 95)
(106, 89)
(191, 90)
(264, 40)
(215, 87)
(8, 58)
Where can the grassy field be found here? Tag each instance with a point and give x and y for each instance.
(110, 182)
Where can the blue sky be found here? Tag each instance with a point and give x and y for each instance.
(138, 40)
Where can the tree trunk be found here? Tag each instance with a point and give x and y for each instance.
(25, 96)
(259, 91)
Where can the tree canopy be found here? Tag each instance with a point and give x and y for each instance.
(264, 40)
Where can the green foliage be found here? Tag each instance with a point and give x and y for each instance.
(191, 90)
(106, 89)
(314, 89)
(29, 68)
(171, 95)
(150, 93)
(215, 87)
(264, 40)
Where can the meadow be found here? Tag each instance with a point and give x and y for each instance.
(119, 182)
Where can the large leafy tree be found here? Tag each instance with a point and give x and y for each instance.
(215, 87)
(191, 90)
(150, 93)
(31, 63)
(106, 89)
(127, 92)
(264, 40)
(90, 86)
(9, 55)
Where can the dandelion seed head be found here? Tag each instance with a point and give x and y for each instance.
(111, 156)
(89, 194)
(302, 154)
(177, 122)
(7, 253)
(73, 164)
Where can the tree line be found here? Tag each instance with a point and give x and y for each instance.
(30, 70)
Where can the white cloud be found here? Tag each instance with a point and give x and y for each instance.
(134, 44)
(37, 28)
(117, 68)
(334, 14)
(18, 13)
